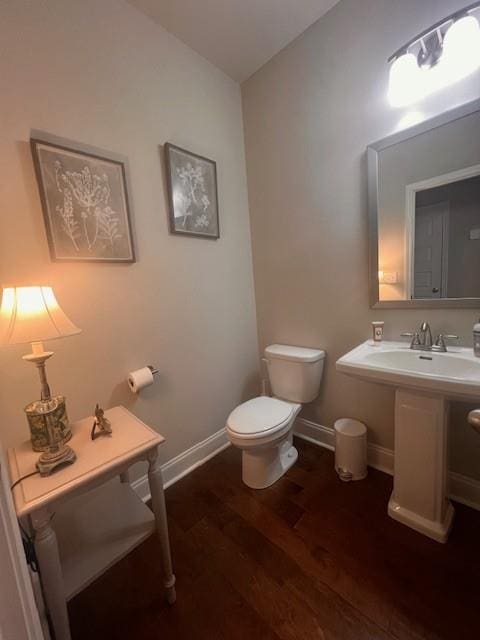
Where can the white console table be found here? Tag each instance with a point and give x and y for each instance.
(98, 517)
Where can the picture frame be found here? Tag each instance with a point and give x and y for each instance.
(85, 198)
(192, 193)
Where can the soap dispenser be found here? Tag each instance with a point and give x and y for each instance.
(476, 339)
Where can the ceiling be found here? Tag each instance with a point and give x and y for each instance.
(238, 36)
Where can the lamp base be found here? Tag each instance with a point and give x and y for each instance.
(48, 423)
(55, 458)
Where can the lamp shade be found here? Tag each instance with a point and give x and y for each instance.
(32, 314)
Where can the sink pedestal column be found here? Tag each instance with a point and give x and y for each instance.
(419, 487)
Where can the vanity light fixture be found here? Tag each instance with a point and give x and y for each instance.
(441, 55)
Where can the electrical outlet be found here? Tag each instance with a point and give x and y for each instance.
(389, 277)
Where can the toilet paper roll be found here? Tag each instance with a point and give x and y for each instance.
(139, 379)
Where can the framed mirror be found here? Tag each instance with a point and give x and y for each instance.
(424, 213)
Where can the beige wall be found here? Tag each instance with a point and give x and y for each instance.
(309, 115)
(103, 74)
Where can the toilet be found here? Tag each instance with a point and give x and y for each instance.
(263, 427)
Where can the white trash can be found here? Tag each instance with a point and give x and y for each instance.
(350, 449)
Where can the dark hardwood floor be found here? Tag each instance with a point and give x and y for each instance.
(310, 557)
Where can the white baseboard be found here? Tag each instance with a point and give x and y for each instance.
(377, 457)
(185, 462)
(314, 433)
(460, 488)
(464, 489)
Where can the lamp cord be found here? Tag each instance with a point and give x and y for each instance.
(28, 475)
(27, 540)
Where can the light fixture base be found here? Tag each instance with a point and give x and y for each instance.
(431, 49)
(50, 461)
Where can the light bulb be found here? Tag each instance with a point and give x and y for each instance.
(406, 85)
(461, 49)
(460, 58)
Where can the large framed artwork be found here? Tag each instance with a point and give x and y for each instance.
(85, 201)
(192, 188)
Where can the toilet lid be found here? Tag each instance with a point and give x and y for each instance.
(259, 415)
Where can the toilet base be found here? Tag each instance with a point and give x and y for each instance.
(263, 467)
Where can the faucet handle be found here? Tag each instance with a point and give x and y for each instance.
(414, 336)
(440, 344)
(440, 339)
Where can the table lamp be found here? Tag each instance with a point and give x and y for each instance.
(32, 314)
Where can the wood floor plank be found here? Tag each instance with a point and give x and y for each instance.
(315, 561)
(278, 606)
(309, 557)
(197, 614)
(335, 615)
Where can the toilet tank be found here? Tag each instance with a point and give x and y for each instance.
(295, 373)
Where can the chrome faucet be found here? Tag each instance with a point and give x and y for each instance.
(422, 340)
(426, 336)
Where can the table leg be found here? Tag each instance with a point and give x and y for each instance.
(155, 482)
(46, 549)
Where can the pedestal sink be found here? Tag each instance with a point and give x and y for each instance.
(425, 382)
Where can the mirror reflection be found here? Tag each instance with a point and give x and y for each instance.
(446, 241)
(429, 214)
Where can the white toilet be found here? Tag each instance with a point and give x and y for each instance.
(263, 427)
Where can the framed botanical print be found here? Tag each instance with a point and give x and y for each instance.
(85, 201)
(193, 197)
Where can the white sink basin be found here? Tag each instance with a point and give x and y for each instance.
(424, 382)
(455, 374)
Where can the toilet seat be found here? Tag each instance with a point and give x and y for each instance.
(260, 417)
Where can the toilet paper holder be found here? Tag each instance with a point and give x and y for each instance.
(141, 378)
(154, 370)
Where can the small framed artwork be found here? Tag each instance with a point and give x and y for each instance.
(192, 189)
(85, 201)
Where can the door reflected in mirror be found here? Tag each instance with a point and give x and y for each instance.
(446, 241)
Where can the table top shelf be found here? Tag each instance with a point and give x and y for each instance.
(95, 459)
